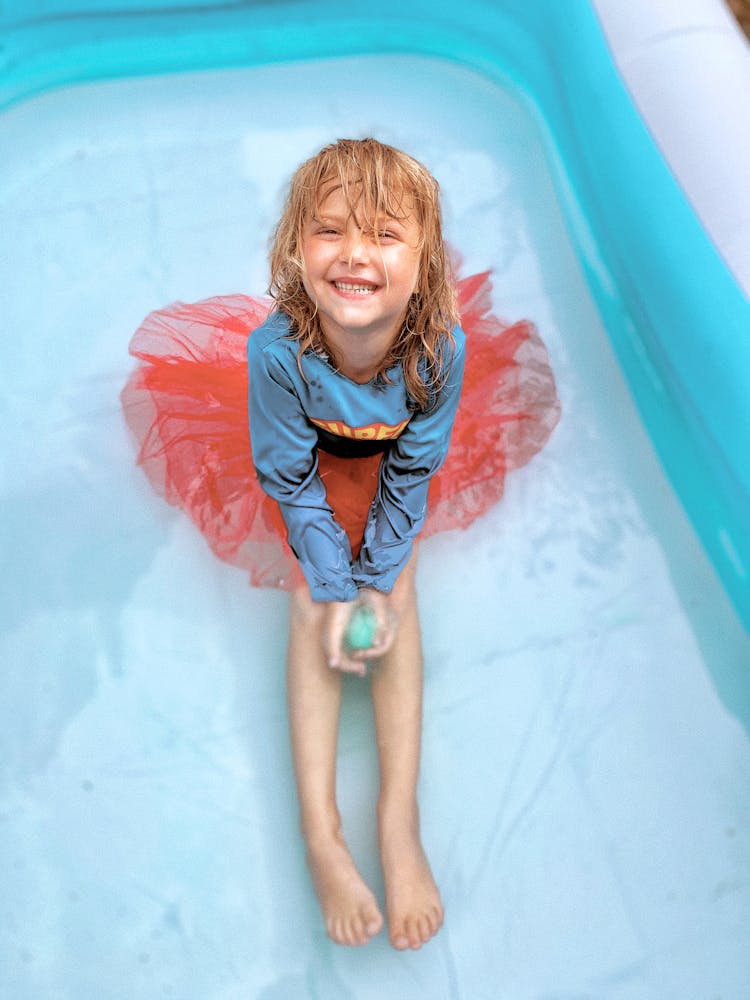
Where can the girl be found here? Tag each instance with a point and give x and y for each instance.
(362, 362)
(354, 383)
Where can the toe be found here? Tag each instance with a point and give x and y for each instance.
(412, 932)
(425, 930)
(399, 939)
(344, 932)
(358, 930)
(352, 934)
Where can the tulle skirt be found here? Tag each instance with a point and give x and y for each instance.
(186, 404)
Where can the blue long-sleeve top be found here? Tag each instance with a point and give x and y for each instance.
(292, 413)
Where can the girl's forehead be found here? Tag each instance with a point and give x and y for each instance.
(356, 198)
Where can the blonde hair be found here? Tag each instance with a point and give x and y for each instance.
(376, 180)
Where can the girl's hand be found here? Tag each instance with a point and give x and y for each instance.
(335, 624)
(338, 615)
(386, 623)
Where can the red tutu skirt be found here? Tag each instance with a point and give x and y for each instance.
(186, 404)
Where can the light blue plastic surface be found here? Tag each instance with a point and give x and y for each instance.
(585, 782)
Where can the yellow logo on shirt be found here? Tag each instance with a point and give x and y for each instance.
(372, 432)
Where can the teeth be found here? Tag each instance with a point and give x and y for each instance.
(344, 286)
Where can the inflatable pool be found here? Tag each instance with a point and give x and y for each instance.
(586, 758)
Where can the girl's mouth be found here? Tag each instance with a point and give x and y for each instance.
(354, 288)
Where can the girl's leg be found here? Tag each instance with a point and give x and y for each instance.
(414, 908)
(349, 908)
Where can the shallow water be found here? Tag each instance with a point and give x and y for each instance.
(586, 760)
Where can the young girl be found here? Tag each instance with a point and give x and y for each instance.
(361, 364)
(354, 383)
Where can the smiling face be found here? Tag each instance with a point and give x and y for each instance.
(359, 275)
(360, 232)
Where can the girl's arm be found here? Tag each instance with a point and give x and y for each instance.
(400, 505)
(284, 454)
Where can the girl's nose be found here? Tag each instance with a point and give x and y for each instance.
(355, 249)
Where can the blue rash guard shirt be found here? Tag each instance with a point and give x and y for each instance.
(291, 415)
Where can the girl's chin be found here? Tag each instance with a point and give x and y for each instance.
(358, 324)
(353, 312)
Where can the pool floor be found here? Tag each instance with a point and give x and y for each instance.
(586, 773)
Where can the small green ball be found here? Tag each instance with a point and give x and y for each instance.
(361, 631)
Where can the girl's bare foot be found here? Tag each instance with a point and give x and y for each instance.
(350, 909)
(415, 912)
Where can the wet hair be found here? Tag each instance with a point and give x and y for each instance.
(376, 180)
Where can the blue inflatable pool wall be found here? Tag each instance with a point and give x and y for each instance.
(678, 321)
